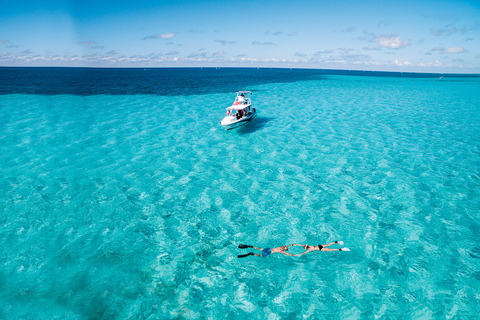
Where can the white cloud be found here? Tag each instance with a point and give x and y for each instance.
(367, 36)
(281, 33)
(334, 59)
(160, 36)
(345, 58)
(455, 50)
(368, 48)
(402, 64)
(224, 42)
(198, 55)
(448, 30)
(391, 41)
(346, 49)
(355, 57)
(299, 54)
(349, 29)
(4, 41)
(263, 43)
(318, 53)
(430, 64)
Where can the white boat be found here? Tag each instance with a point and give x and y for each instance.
(240, 112)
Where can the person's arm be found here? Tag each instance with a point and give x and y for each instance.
(295, 255)
(295, 245)
(301, 254)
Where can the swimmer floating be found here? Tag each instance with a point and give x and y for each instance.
(282, 249)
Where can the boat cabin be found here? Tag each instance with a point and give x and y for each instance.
(242, 98)
(238, 111)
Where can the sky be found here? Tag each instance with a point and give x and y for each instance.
(407, 36)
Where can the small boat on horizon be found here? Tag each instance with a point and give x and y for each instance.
(240, 112)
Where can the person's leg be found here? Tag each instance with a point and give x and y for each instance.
(249, 254)
(245, 246)
(326, 245)
(341, 249)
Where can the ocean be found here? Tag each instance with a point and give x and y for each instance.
(122, 196)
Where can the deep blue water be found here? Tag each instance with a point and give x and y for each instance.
(121, 196)
(165, 81)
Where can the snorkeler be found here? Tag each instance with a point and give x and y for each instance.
(320, 247)
(282, 249)
(265, 251)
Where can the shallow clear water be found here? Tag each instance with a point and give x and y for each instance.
(133, 205)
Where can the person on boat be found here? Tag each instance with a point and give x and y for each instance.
(241, 98)
(265, 251)
(320, 247)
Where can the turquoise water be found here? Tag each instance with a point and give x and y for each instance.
(131, 206)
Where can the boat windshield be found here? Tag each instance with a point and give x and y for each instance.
(231, 112)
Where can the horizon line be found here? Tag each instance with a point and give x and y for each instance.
(234, 67)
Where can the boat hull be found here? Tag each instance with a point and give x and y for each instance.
(237, 123)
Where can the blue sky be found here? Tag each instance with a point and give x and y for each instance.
(410, 36)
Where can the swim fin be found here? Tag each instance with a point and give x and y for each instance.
(344, 249)
(339, 242)
(244, 246)
(245, 255)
